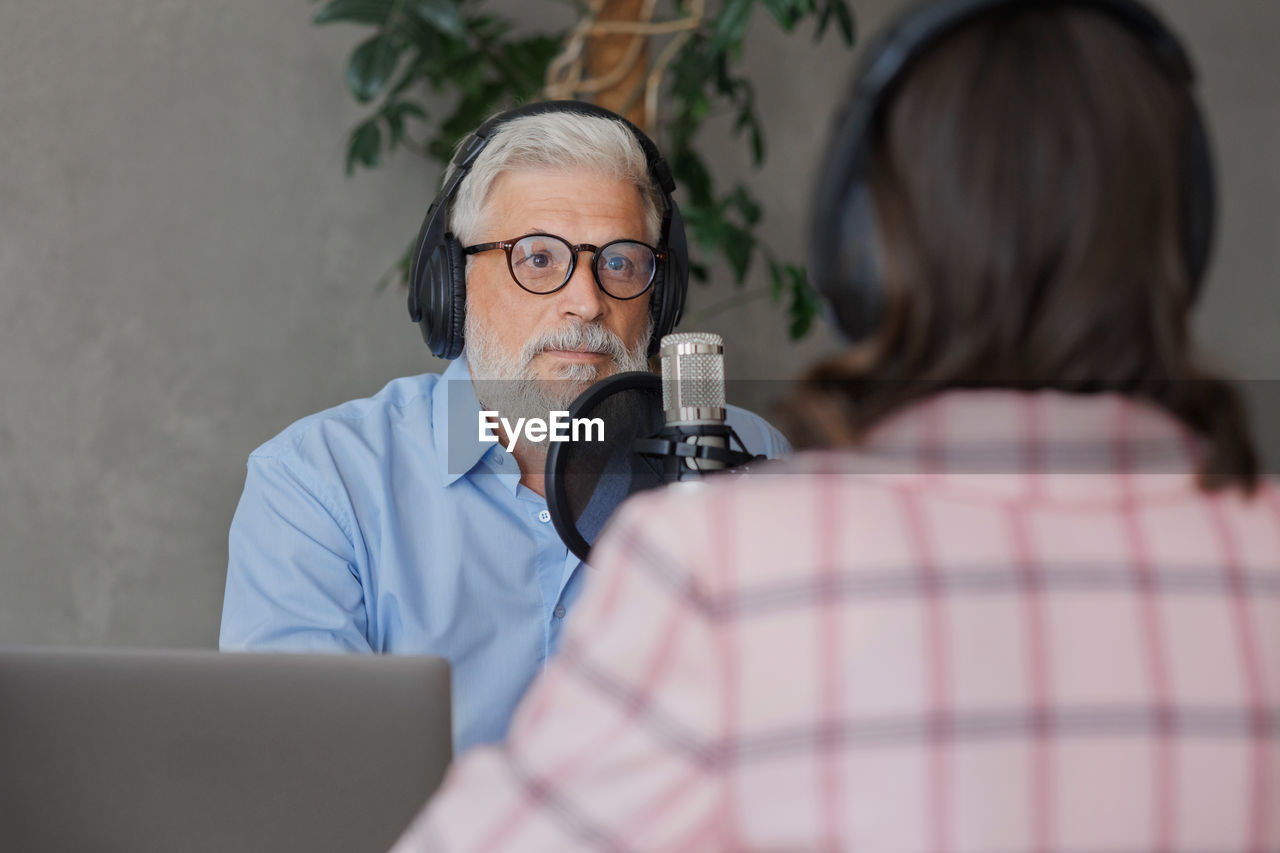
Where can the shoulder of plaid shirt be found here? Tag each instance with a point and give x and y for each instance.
(386, 525)
(946, 641)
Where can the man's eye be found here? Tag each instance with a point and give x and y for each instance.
(617, 264)
(536, 260)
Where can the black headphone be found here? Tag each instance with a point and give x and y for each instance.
(844, 219)
(437, 276)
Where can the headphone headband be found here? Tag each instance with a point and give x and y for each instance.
(926, 21)
(437, 277)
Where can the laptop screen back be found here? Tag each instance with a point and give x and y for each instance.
(200, 751)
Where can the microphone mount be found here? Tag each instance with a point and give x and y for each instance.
(671, 453)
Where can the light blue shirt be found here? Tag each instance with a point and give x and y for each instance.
(386, 525)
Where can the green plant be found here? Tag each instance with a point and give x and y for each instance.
(455, 47)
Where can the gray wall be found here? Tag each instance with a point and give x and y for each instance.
(184, 270)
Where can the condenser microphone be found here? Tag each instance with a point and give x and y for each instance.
(657, 432)
(693, 395)
(695, 438)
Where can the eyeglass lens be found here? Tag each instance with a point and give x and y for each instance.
(540, 263)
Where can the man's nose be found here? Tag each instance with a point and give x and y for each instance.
(581, 297)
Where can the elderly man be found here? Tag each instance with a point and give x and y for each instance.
(387, 524)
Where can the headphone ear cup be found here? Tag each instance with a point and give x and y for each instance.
(844, 232)
(443, 283)
(457, 298)
(1201, 203)
(851, 283)
(417, 269)
(671, 280)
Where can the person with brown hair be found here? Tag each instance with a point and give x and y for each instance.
(1028, 597)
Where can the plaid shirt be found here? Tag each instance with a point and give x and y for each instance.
(1011, 623)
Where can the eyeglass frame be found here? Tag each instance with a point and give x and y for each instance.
(574, 249)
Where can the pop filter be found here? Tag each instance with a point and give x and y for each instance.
(586, 480)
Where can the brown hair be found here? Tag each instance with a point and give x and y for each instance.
(1028, 179)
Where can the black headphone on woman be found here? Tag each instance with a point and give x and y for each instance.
(844, 224)
(437, 276)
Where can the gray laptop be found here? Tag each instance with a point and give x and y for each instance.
(199, 751)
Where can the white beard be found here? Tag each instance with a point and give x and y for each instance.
(510, 385)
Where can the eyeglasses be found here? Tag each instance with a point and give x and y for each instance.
(544, 263)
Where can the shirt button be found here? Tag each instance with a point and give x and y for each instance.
(559, 611)
(544, 516)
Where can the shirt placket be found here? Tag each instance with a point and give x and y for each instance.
(551, 573)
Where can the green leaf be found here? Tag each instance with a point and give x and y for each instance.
(441, 149)
(412, 73)
(844, 18)
(528, 60)
(355, 11)
(737, 246)
(691, 173)
(488, 27)
(805, 302)
(395, 113)
(467, 115)
(364, 146)
(800, 325)
(731, 24)
(698, 271)
(747, 119)
(691, 73)
(418, 34)
(776, 283)
(409, 108)
(395, 130)
(746, 204)
(784, 12)
(460, 69)
(371, 66)
(444, 15)
(705, 224)
(725, 83)
(823, 21)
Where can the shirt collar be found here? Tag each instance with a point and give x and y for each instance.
(455, 417)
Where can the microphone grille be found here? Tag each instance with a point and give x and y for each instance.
(692, 371)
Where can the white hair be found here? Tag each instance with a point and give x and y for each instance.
(557, 141)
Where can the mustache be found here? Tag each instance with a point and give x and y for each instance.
(585, 337)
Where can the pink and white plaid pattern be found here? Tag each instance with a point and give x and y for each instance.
(1012, 624)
